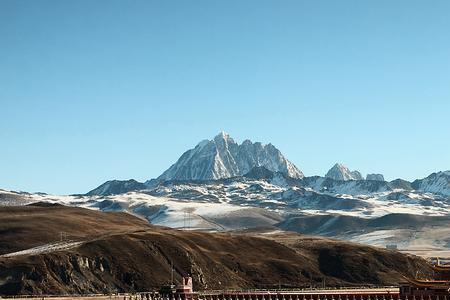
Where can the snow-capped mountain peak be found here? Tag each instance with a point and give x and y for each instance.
(222, 157)
(341, 172)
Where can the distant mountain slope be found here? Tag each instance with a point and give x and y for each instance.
(400, 184)
(351, 187)
(121, 253)
(222, 157)
(329, 225)
(114, 187)
(334, 225)
(435, 183)
(418, 234)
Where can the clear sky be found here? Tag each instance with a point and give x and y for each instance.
(96, 90)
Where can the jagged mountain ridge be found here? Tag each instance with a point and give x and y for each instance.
(222, 157)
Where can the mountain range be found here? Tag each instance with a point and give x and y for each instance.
(220, 185)
(222, 158)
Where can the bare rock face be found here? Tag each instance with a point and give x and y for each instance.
(222, 157)
(375, 177)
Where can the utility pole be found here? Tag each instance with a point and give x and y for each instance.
(187, 214)
(63, 236)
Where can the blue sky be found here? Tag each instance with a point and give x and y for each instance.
(99, 90)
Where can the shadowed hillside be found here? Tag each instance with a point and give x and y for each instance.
(106, 252)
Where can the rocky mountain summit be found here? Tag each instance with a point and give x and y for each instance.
(222, 157)
(341, 172)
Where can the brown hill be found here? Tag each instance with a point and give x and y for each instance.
(106, 252)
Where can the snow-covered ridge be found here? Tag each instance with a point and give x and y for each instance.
(252, 196)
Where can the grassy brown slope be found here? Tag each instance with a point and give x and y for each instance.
(124, 253)
(353, 262)
(23, 227)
